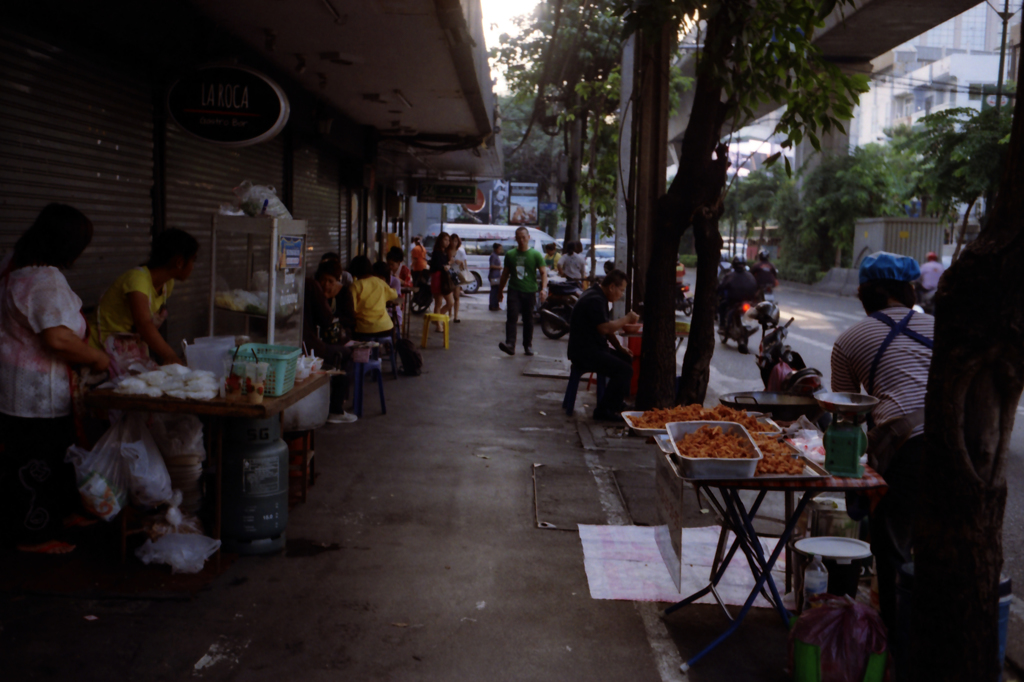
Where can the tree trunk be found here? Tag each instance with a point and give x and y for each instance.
(963, 232)
(591, 174)
(572, 185)
(693, 198)
(974, 385)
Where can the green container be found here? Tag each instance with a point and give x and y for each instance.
(807, 664)
(255, 486)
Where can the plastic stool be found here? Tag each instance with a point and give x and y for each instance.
(361, 370)
(389, 341)
(434, 317)
(569, 402)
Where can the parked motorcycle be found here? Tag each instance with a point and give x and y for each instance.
(684, 303)
(739, 325)
(556, 310)
(782, 368)
(422, 298)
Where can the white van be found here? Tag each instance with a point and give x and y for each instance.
(478, 240)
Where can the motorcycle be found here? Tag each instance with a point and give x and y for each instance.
(782, 368)
(422, 297)
(684, 303)
(925, 298)
(556, 310)
(739, 325)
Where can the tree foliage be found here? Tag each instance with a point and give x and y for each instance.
(962, 153)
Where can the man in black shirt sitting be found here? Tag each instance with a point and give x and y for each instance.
(591, 329)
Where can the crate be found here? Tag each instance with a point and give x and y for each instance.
(282, 361)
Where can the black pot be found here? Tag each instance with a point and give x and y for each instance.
(780, 406)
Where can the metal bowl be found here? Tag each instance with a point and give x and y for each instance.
(781, 406)
(846, 403)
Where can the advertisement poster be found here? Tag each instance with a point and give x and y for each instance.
(290, 253)
(523, 207)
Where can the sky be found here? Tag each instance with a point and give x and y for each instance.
(499, 13)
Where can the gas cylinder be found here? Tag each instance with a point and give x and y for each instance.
(254, 513)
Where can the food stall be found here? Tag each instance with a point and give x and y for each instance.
(258, 275)
(718, 452)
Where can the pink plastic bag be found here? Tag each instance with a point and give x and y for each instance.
(846, 631)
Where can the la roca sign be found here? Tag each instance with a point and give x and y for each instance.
(230, 106)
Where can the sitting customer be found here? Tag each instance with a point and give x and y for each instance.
(370, 296)
(325, 334)
(591, 329)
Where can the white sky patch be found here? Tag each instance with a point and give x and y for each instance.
(497, 17)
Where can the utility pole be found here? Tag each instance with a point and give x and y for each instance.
(1005, 16)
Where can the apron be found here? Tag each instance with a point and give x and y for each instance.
(885, 439)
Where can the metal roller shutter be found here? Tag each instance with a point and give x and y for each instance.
(76, 130)
(201, 177)
(317, 200)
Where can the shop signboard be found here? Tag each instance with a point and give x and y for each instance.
(446, 193)
(523, 203)
(230, 106)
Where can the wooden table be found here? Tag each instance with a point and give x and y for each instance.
(218, 409)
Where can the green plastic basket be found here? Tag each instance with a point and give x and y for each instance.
(807, 664)
(282, 361)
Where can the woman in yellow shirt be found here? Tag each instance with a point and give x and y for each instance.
(137, 301)
(370, 297)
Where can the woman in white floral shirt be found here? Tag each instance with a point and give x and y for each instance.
(42, 333)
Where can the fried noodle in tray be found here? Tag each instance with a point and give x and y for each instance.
(652, 422)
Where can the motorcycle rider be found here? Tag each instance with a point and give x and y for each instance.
(764, 272)
(931, 271)
(888, 354)
(737, 286)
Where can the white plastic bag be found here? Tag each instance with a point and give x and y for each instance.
(101, 474)
(149, 482)
(185, 553)
(257, 200)
(178, 435)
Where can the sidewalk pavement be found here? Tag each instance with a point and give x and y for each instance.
(433, 567)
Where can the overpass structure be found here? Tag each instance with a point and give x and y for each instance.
(850, 38)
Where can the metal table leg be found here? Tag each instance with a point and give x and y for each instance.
(765, 575)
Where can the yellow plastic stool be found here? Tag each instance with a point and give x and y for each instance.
(434, 317)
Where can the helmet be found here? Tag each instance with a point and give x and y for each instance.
(738, 263)
(763, 256)
(882, 265)
(931, 256)
(766, 313)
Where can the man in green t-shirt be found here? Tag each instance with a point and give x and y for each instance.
(520, 272)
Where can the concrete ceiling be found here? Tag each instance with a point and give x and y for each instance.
(413, 69)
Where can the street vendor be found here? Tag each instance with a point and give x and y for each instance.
(137, 301)
(325, 334)
(591, 330)
(888, 355)
(42, 335)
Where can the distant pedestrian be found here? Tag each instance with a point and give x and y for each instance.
(459, 265)
(494, 276)
(931, 272)
(551, 256)
(573, 266)
(520, 273)
(440, 277)
(419, 259)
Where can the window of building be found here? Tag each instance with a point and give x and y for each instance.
(974, 91)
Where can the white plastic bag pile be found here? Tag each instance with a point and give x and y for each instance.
(175, 381)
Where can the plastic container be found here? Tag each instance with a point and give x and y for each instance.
(712, 467)
(815, 579)
(282, 360)
(208, 353)
(309, 413)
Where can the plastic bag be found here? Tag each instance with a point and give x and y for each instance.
(846, 631)
(101, 475)
(148, 480)
(257, 200)
(126, 351)
(185, 553)
(178, 435)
